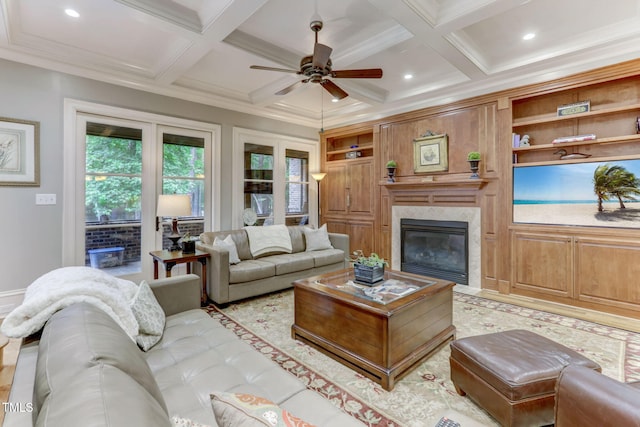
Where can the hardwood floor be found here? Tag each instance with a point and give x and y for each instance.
(6, 371)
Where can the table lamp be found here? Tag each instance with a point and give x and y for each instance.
(174, 205)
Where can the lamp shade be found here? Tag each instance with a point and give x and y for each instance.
(174, 205)
(318, 175)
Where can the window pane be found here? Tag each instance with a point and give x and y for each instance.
(258, 183)
(112, 198)
(113, 155)
(183, 156)
(296, 186)
(297, 196)
(195, 188)
(183, 169)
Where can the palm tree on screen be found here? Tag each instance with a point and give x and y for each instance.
(614, 181)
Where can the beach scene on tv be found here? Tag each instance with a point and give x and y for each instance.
(599, 194)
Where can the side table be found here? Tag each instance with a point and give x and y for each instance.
(171, 258)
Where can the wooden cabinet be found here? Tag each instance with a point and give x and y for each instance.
(592, 271)
(348, 191)
(350, 188)
(592, 266)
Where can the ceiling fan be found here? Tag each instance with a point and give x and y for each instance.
(317, 67)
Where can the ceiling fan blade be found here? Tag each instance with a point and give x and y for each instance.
(321, 54)
(333, 89)
(370, 73)
(282, 70)
(289, 88)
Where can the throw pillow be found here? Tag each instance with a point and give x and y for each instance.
(247, 410)
(150, 317)
(230, 246)
(317, 239)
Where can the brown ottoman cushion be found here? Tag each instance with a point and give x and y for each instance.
(500, 370)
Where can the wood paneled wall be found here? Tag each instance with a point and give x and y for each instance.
(556, 263)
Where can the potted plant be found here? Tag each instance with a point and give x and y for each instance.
(368, 269)
(391, 170)
(474, 160)
(188, 244)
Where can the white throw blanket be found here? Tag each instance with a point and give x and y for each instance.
(69, 285)
(271, 238)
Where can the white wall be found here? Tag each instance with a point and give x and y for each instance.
(30, 235)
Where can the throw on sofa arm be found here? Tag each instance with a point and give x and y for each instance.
(586, 398)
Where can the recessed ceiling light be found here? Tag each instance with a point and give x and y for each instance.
(528, 36)
(408, 76)
(72, 13)
(334, 100)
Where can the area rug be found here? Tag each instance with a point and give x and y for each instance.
(422, 396)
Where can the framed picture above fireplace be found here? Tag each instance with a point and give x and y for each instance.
(592, 194)
(430, 154)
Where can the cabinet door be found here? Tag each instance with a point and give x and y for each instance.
(543, 264)
(360, 187)
(607, 272)
(335, 192)
(361, 236)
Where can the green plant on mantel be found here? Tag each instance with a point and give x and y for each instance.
(392, 164)
(473, 155)
(373, 260)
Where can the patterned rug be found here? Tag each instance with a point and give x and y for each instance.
(422, 396)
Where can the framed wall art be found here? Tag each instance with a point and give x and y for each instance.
(430, 154)
(19, 152)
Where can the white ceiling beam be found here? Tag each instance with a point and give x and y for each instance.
(424, 31)
(233, 16)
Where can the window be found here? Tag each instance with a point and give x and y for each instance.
(117, 161)
(274, 173)
(297, 187)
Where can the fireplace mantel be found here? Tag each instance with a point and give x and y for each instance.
(472, 184)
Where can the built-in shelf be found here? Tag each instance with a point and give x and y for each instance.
(569, 161)
(347, 150)
(549, 118)
(612, 140)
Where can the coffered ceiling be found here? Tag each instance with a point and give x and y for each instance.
(201, 50)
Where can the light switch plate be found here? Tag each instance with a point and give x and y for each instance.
(45, 199)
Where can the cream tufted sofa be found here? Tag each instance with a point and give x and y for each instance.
(85, 370)
(258, 275)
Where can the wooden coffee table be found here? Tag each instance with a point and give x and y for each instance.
(382, 335)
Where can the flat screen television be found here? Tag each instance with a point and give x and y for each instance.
(593, 194)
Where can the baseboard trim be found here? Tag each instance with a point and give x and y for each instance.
(10, 300)
(608, 319)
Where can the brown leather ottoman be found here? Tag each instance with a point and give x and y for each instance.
(512, 374)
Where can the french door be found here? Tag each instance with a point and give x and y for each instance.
(120, 168)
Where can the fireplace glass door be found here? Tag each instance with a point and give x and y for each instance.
(435, 249)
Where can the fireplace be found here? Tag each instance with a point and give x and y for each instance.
(435, 248)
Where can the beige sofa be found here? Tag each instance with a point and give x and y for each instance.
(254, 276)
(86, 371)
